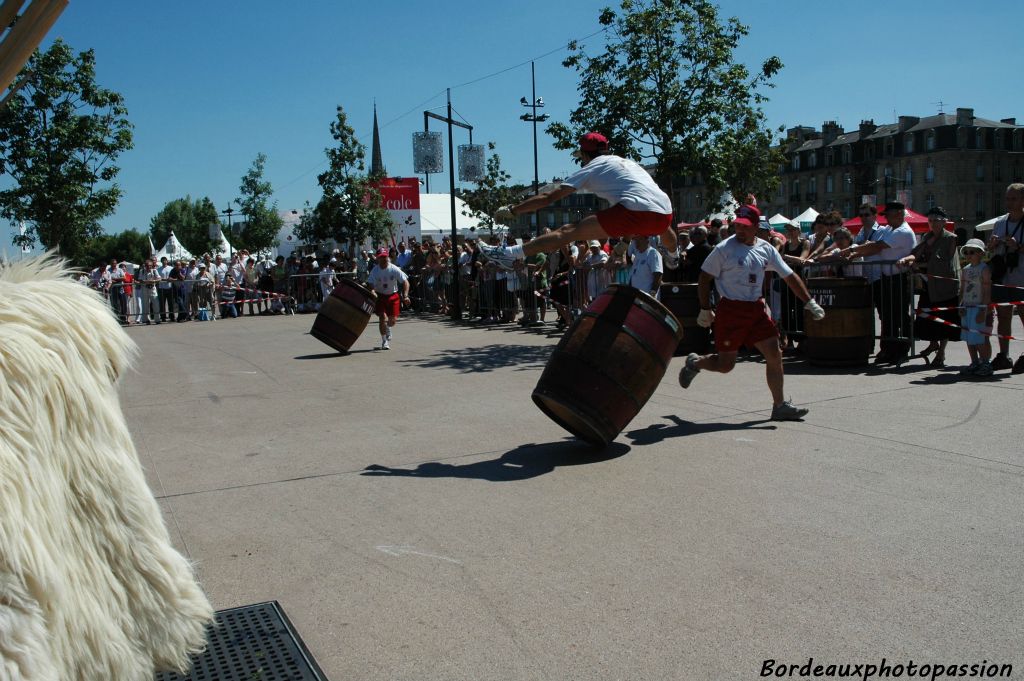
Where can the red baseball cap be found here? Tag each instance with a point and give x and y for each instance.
(593, 141)
(747, 215)
(383, 253)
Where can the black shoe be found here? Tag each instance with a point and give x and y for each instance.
(1018, 366)
(1001, 362)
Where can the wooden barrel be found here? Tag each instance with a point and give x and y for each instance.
(681, 299)
(344, 315)
(846, 336)
(608, 364)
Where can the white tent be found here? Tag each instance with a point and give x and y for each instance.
(806, 219)
(224, 247)
(173, 250)
(778, 219)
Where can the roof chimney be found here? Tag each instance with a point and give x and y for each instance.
(830, 130)
(867, 127)
(907, 122)
(964, 116)
(1009, 121)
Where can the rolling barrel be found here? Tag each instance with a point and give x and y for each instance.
(846, 336)
(608, 364)
(681, 299)
(344, 315)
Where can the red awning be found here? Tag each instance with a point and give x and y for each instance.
(917, 222)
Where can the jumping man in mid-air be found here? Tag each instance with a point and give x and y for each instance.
(638, 206)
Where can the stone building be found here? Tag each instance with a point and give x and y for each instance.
(958, 161)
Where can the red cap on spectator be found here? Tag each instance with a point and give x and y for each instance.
(383, 253)
(747, 215)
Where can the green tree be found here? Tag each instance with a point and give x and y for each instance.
(189, 220)
(131, 245)
(350, 210)
(668, 91)
(492, 192)
(262, 223)
(60, 134)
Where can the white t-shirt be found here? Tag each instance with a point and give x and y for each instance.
(1003, 228)
(386, 281)
(868, 234)
(901, 241)
(219, 271)
(620, 181)
(739, 269)
(165, 272)
(597, 279)
(645, 265)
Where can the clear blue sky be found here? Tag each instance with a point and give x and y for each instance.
(210, 84)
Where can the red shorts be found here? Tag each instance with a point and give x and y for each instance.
(619, 221)
(739, 323)
(388, 305)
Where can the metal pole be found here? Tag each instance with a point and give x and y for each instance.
(426, 128)
(533, 92)
(457, 307)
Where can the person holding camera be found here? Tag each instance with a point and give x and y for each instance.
(1007, 273)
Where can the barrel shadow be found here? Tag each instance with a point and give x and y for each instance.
(333, 355)
(487, 358)
(658, 432)
(522, 463)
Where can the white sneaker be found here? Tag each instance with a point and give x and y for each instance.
(389, 334)
(385, 345)
(498, 254)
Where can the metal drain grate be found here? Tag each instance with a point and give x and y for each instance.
(251, 643)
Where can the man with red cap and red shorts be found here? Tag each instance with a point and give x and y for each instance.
(737, 266)
(385, 279)
(638, 206)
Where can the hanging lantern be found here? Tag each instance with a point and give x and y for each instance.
(427, 154)
(471, 162)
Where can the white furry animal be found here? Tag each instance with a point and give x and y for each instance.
(90, 586)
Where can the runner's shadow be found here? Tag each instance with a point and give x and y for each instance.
(487, 358)
(659, 432)
(522, 463)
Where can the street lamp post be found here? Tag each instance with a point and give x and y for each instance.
(533, 104)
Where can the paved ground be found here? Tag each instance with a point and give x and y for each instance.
(418, 517)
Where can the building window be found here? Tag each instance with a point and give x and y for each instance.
(828, 183)
(929, 201)
(979, 172)
(1018, 140)
(889, 147)
(812, 159)
(830, 158)
(979, 139)
(796, 190)
(961, 138)
(997, 139)
(812, 185)
(908, 175)
(929, 140)
(847, 182)
(847, 207)
(929, 173)
(908, 143)
(847, 154)
(979, 204)
(551, 220)
(796, 161)
(782, 190)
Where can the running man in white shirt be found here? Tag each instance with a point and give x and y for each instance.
(638, 205)
(385, 279)
(737, 266)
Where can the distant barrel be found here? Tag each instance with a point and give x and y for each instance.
(681, 299)
(846, 336)
(608, 364)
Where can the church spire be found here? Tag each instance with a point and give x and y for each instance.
(376, 163)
